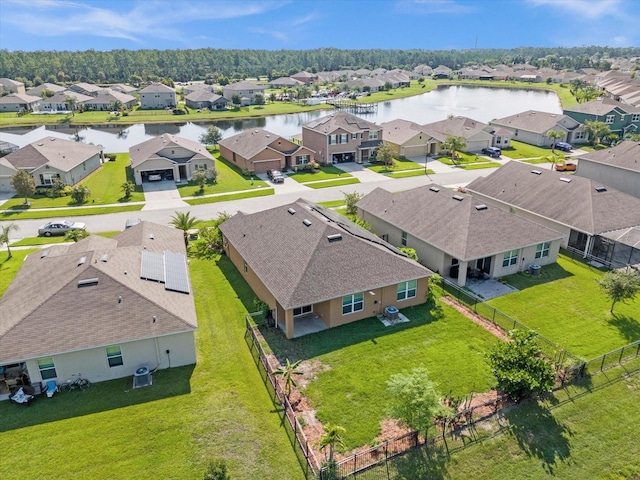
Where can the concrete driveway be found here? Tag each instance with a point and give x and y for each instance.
(162, 195)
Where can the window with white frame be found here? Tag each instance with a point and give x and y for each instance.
(498, 140)
(609, 119)
(404, 239)
(302, 310)
(510, 258)
(622, 116)
(333, 139)
(114, 356)
(344, 138)
(352, 303)
(407, 290)
(373, 135)
(47, 368)
(580, 135)
(201, 167)
(635, 117)
(48, 178)
(302, 159)
(354, 136)
(542, 249)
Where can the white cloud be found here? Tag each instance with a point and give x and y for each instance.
(583, 8)
(433, 7)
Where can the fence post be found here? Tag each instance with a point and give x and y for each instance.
(603, 359)
(638, 350)
(621, 355)
(493, 319)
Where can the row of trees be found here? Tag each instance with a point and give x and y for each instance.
(138, 66)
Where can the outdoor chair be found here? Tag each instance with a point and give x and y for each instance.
(22, 397)
(51, 388)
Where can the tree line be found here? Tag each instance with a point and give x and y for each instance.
(137, 66)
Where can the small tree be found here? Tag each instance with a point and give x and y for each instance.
(519, 367)
(216, 470)
(287, 372)
(415, 399)
(620, 285)
(184, 222)
(210, 237)
(596, 131)
(200, 179)
(4, 236)
(258, 99)
(332, 438)
(80, 194)
(212, 136)
(350, 200)
(128, 187)
(453, 144)
(236, 100)
(24, 185)
(76, 235)
(554, 135)
(385, 153)
(71, 103)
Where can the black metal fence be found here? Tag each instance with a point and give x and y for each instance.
(607, 361)
(298, 439)
(559, 355)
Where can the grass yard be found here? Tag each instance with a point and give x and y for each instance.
(398, 165)
(363, 355)
(332, 203)
(219, 409)
(104, 185)
(519, 150)
(464, 158)
(572, 310)
(66, 212)
(477, 166)
(261, 192)
(326, 172)
(415, 88)
(535, 161)
(35, 241)
(584, 431)
(410, 173)
(332, 183)
(230, 179)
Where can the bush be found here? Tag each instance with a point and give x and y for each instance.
(111, 157)
(216, 470)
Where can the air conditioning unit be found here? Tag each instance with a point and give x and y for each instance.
(142, 377)
(392, 313)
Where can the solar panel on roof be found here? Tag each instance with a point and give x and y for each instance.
(176, 273)
(152, 266)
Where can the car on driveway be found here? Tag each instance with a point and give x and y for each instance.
(275, 176)
(60, 227)
(565, 167)
(564, 146)
(494, 152)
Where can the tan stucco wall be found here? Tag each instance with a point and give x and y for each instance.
(150, 101)
(624, 180)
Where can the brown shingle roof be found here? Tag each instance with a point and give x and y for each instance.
(341, 120)
(459, 127)
(250, 142)
(57, 152)
(576, 203)
(145, 150)
(454, 226)
(311, 268)
(537, 122)
(624, 155)
(45, 297)
(157, 88)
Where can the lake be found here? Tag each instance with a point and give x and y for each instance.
(479, 103)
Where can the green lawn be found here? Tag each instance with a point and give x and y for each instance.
(219, 409)
(230, 179)
(520, 150)
(326, 172)
(464, 158)
(410, 173)
(104, 185)
(586, 431)
(477, 166)
(66, 212)
(9, 268)
(332, 203)
(332, 183)
(535, 161)
(34, 241)
(398, 165)
(572, 310)
(361, 356)
(261, 192)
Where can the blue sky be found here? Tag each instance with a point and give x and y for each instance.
(307, 24)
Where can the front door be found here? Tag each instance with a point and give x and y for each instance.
(182, 171)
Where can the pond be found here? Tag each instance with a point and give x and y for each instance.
(479, 103)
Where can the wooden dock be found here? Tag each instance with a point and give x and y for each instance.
(353, 106)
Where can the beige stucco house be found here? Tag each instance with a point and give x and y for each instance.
(19, 102)
(408, 139)
(533, 126)
(476, 134)
(157, 96)
(243, 89)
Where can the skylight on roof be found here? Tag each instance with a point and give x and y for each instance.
(601, 189)
(565, 179)
(481, 207)
(458, 198)
(537, 172)
(434, 189)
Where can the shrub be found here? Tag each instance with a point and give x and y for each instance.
(216, 470)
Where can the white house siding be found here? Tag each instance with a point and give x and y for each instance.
(155, 164)
(74, 175)
(157, 100)
(93, 365)
(5, 179)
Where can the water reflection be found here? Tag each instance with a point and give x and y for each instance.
(482, 104)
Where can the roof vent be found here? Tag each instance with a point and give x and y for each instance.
(481, 207)
(434, 189)
(458, 198)
(306, 222)
(104, 258)
(336, 237)
(82, 260)
(601, 189)
(89, 282)
(537, 172)
(291, 211)
(151, 236)
(565, 179)
(44, 253)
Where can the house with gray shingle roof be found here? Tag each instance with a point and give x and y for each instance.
(316, 269)
(618, 167)
(243, 89)
(533, 126)
(6, 172)
(581, 209)
(408, 139)
(51, 159)
(60, 101)
(86, 88)
(258, 150)
(305, 77)
(107, 99)
(19, 102)
(170, 156)
(157, 96)
(342, 137)
(52, 87)
(206, 99)
(477, 135)
(11, 86)
(102, 306)
(458, 235)
(621, 118)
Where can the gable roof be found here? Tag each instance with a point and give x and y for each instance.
(203, 95)
(625, 154)
(577, 203)
(313, 268)
(87, 87)
(250, 142)
(52, 87)
(399, 131)
(536, 121)
(107, 97)
(340, 120)
(244, 85)
(46, 296)
(57, 152)
(454, 225)
(19, 98)
(460, 127)
(145, 150)
(157, 88)
(60, 97)
(602, 106)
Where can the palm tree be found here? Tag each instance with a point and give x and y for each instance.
(4, 236)
(128, 187)
(71, 102)
(332, 438)
(596, 130)
(287, 372)
(554, 135)
(453, 144)
(184, 222)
